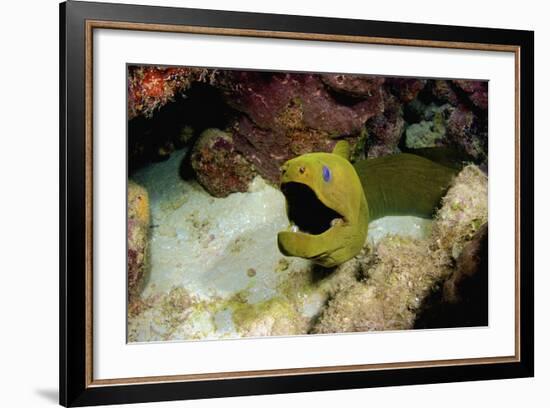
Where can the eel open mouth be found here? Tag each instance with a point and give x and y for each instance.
(306, 212)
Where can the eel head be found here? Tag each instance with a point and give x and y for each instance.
(326, 207)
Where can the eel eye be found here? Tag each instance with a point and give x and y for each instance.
(326, 174)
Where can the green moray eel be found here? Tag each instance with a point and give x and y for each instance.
(331, 201)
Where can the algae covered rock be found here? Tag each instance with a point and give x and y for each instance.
(431, 130)
(399, 276)
(138, 237)
(464, 210)
(220, 169)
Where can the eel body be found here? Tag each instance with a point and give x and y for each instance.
(331, 201)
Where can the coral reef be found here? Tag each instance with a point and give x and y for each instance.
(271, 117)
(401, 273)
(205, 150)
(138, 238)
(150, 87)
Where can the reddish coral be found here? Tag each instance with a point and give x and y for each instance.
(267, 99)
(356, 85)
(444, 92)
(150, 87)
(406, 89)
(477, 92)
(271, 117)
(464, 130)
(286, 115)
(268, 149)
(385, 130)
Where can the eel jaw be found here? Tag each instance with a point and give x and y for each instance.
(307, 213)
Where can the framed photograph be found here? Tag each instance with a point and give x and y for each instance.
(255, 203)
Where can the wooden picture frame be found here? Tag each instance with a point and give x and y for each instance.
(78, 20)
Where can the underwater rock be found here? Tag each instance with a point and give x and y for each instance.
(220, 169)
(424, 134)
(355, 85)
(138, 238)
(267, 150)
(477, 91)
(286, 115)
(464, 210)
(280, 102)
(465, 131)
(385, 130)
(466, 124)
(401, 273)
(457, 123)
(443, 91)
(150, 88)
(406, 89)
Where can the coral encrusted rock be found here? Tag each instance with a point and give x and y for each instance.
(401, 273)
(219, 168)
(150, 88)
(385, 130)
(138, 238)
